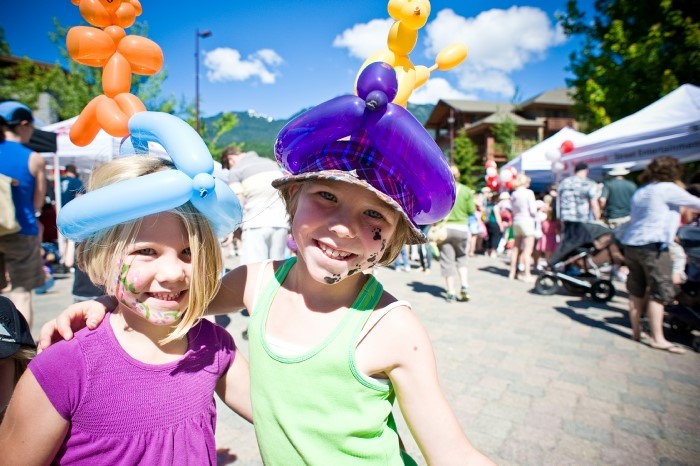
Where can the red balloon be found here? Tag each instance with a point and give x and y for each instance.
(567, 146)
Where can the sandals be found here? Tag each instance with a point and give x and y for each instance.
(674, 349)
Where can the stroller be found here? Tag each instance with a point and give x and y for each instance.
(583, 263)
(684, 315)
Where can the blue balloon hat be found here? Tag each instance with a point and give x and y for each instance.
(191, 180)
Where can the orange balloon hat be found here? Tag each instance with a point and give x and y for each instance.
(107, 45)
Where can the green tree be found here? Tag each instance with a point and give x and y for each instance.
(466, 159)
(633, 53)
(219, 127)
(74, 87)
(505, 132)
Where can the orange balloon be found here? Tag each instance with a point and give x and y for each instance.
(89, 46)
(75, 2)
(86, 126)
(110, 5)
(112, 119)
(95, 13)
(116, 76)
(144, 55)
(129, 104)
(125, 15)
(137, 7)
(117, 33)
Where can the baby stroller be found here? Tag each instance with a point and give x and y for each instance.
(579, 261)
(684, 315)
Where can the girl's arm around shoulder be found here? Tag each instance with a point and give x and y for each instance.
(238, 288)
(234, 385)
(32, 431)
(409, 359)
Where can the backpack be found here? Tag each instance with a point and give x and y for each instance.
(8, 220)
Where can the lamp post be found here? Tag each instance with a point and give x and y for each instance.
(197, 35)
(451, 122)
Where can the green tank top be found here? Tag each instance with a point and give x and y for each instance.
(317, 408)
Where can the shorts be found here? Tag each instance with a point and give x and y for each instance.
(650, 268)
(524, 227)
(453, 251)
(21, 255)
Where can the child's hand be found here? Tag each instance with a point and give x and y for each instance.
(75, 317)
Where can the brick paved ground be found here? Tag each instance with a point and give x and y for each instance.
(534, 380)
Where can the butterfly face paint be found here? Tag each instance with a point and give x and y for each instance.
(156, 308)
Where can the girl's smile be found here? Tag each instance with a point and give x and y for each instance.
(154, 278)
(340, 228)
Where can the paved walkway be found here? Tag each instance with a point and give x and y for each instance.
(535, 380)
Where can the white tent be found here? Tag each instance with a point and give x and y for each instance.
(533, 162)
(102, 149)
(669, 126)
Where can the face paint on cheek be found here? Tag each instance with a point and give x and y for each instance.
(127, 293)
(377, 234)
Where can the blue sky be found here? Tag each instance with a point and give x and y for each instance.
(278, 57)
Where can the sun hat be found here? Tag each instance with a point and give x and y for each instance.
(14, 330)
(367, 141)
(485, 189)
(504, 196)
(618, 170)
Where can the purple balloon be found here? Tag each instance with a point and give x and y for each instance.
(393, 131)
(377, 76)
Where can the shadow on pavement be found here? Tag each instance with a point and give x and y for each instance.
(606, 323)
(495, 270)
(419, 287)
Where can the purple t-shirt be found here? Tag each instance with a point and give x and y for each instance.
(123, 411)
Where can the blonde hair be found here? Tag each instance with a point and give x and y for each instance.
(101, 254)
(521, 180)
(401, 235)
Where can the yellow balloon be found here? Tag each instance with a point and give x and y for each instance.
(414, 13)
(406, 77)
(451, 56)
(422, 75)
(401, 39)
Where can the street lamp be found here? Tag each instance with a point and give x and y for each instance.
(197, 35)
(451, 122)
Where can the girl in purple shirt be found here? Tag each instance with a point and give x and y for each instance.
(139, 389)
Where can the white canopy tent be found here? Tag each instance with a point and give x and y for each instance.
(102, 149)
(669, 126)
(533, 162)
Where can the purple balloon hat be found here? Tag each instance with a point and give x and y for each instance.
(379, 142)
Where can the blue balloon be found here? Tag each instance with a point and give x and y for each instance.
(127, 200)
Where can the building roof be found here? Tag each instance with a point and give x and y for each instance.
(559, 96)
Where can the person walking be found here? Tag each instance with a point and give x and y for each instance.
(21, 251)
(454, 249)
(524, 208)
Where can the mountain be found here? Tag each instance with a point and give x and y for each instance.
(258, 132)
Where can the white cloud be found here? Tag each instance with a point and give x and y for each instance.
(436, 89)
(226, 64)
(363, 39)
(499, 42)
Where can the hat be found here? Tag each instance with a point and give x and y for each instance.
(366, 140)
(14, 330)
(14, 112)
(504, 195)
(358, 162)
(580, 166)
(618, 170)
(485, 189)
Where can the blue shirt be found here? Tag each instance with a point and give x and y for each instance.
(14, 162)
(655, 213)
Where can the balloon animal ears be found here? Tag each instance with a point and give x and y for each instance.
(191, 180)
(395, 146)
